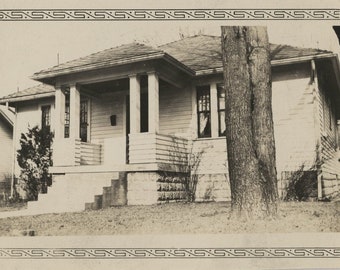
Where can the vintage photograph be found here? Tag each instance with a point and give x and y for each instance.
(163, 123)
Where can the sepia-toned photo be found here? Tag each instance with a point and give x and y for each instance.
(139, 134)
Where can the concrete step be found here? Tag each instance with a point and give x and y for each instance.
(113, 195)
(70, 192)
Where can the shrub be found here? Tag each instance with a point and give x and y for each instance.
(302, 184)
(34, 159)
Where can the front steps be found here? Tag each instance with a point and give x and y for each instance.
(70, 192)
(113, 195)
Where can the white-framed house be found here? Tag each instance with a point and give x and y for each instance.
(6, 146)
(132, 112)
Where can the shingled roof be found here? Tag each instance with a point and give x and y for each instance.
(126, 53)
(197, 53)
(38, 91)
(203, 52)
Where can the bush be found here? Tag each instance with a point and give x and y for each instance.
(34, 159)
(302, 185)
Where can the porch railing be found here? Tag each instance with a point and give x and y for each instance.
(70, 152)
(157, 148)
(89, 153)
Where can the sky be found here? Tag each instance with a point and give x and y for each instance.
(28, 47)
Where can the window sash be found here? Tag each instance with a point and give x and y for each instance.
(221, 110)
(45, 116)
(203, 111)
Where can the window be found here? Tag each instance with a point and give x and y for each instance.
(83, 120)
(203, 111)
(221, 109)
(46, 117)
(67, 115)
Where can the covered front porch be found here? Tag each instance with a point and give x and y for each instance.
(113, 123)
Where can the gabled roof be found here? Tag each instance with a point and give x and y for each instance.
(203, 52)
(38, 91)
(7, 114)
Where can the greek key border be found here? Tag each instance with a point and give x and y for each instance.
(167, 253)
(166, 14)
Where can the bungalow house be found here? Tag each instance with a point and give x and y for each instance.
(6, 146)
(132, 117)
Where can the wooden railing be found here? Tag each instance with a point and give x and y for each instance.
(87, 153)
(157, 148)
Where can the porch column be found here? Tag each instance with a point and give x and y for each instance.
(213, 108)
(134, 104)
(59, 114)
(74, 112)
(153, 100)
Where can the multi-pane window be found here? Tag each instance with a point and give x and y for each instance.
(221, 109)
(46, 117)
(67, 115)
(203, 111)
(83, 120)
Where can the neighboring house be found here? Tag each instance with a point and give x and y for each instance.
(138, 110)
(6, 146)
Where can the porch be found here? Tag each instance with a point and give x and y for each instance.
(114, 125)
(145, 152)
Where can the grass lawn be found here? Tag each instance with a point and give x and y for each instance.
(176, 218)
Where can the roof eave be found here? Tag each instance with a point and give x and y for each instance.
(26, 97)
(7, 118)
(47, 75)
(301, 59)
(279, 62)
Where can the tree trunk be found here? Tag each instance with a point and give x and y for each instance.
(249, 121)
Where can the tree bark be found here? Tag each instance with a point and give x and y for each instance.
(249, 121)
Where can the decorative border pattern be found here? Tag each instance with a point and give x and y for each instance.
(166, 14)
(166, 253)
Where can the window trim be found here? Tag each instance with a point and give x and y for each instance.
(42, 106)
(198, 112)
(220, 134)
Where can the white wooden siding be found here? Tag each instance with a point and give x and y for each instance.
(28, 116)
(294, 129)
(175, 114)
(151, 148)
(6, 143)
(102, 109)
(330, 166)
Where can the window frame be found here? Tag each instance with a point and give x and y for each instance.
(44, 118)
(219, 87)
(207, 110)
(67, 113)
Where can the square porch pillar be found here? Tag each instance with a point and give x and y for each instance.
(153, 100)
(74, 112)
(134, 104)
(59, 114)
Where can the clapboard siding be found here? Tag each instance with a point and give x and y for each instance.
(150, 148)
(6, 143)
(330, 166)
(175, 111)
(102, 109)
(29, 115)
(294, 129)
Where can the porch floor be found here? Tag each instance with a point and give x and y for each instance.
(138, 167)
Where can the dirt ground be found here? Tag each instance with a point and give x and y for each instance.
(176, 218)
